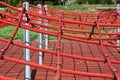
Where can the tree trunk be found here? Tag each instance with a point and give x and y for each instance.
(114, 2)
(87, 2)
(43, 2)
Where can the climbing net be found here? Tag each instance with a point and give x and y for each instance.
(96, 27)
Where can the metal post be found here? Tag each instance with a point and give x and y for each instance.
(40, 54)
(118, 28)
(46, 23)
(26, 34)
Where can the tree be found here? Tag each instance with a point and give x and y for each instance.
(31, 2)
(55, 2)
(114, 2)
(43, 2)
(80, 1)
(87, 1)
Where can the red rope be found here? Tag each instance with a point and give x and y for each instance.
(83, 19)
(7, 5)
(12, 36)
(62, 54)
(54, 69)
(58, 51)
(7, 78)
(72, 31)
(115, 74)
(55, 34)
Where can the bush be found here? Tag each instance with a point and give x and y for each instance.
(56, 2)
(80, 1)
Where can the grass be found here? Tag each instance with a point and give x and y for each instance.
(6, 32)
(82, 7)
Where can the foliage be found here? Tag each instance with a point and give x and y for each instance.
(80, 1)
(81, 7)
(6, 32)
(57, 2)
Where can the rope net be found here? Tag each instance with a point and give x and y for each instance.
(97, 27)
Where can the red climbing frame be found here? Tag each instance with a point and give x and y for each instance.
(65, 25)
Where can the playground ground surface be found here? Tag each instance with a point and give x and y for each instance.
(15, 70)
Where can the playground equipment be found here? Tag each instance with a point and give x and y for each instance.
(98, 28)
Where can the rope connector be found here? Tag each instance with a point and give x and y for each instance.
(1, 53)
(27, 43)
(105, 58)
(114, 70)
(58, 48)
(92, 31)
(1, 50)
(60, 32)
(106, 55)
(28, 19)
(58, 63)
(114, 77)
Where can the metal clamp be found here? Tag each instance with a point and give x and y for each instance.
(92, 31)
(27, 43)
(58, 48)
(60, 32)
(1, 53)
(114, 77)
(106, 55)
(58, 63)
(105, 58)
(1, 50)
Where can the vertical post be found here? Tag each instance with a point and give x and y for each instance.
(46, 23)
(118, 28)
(40, 54)
(26, 34)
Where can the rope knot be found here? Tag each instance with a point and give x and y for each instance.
(105, 58)
(1, 53)
(58, 63)
(114, 77)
